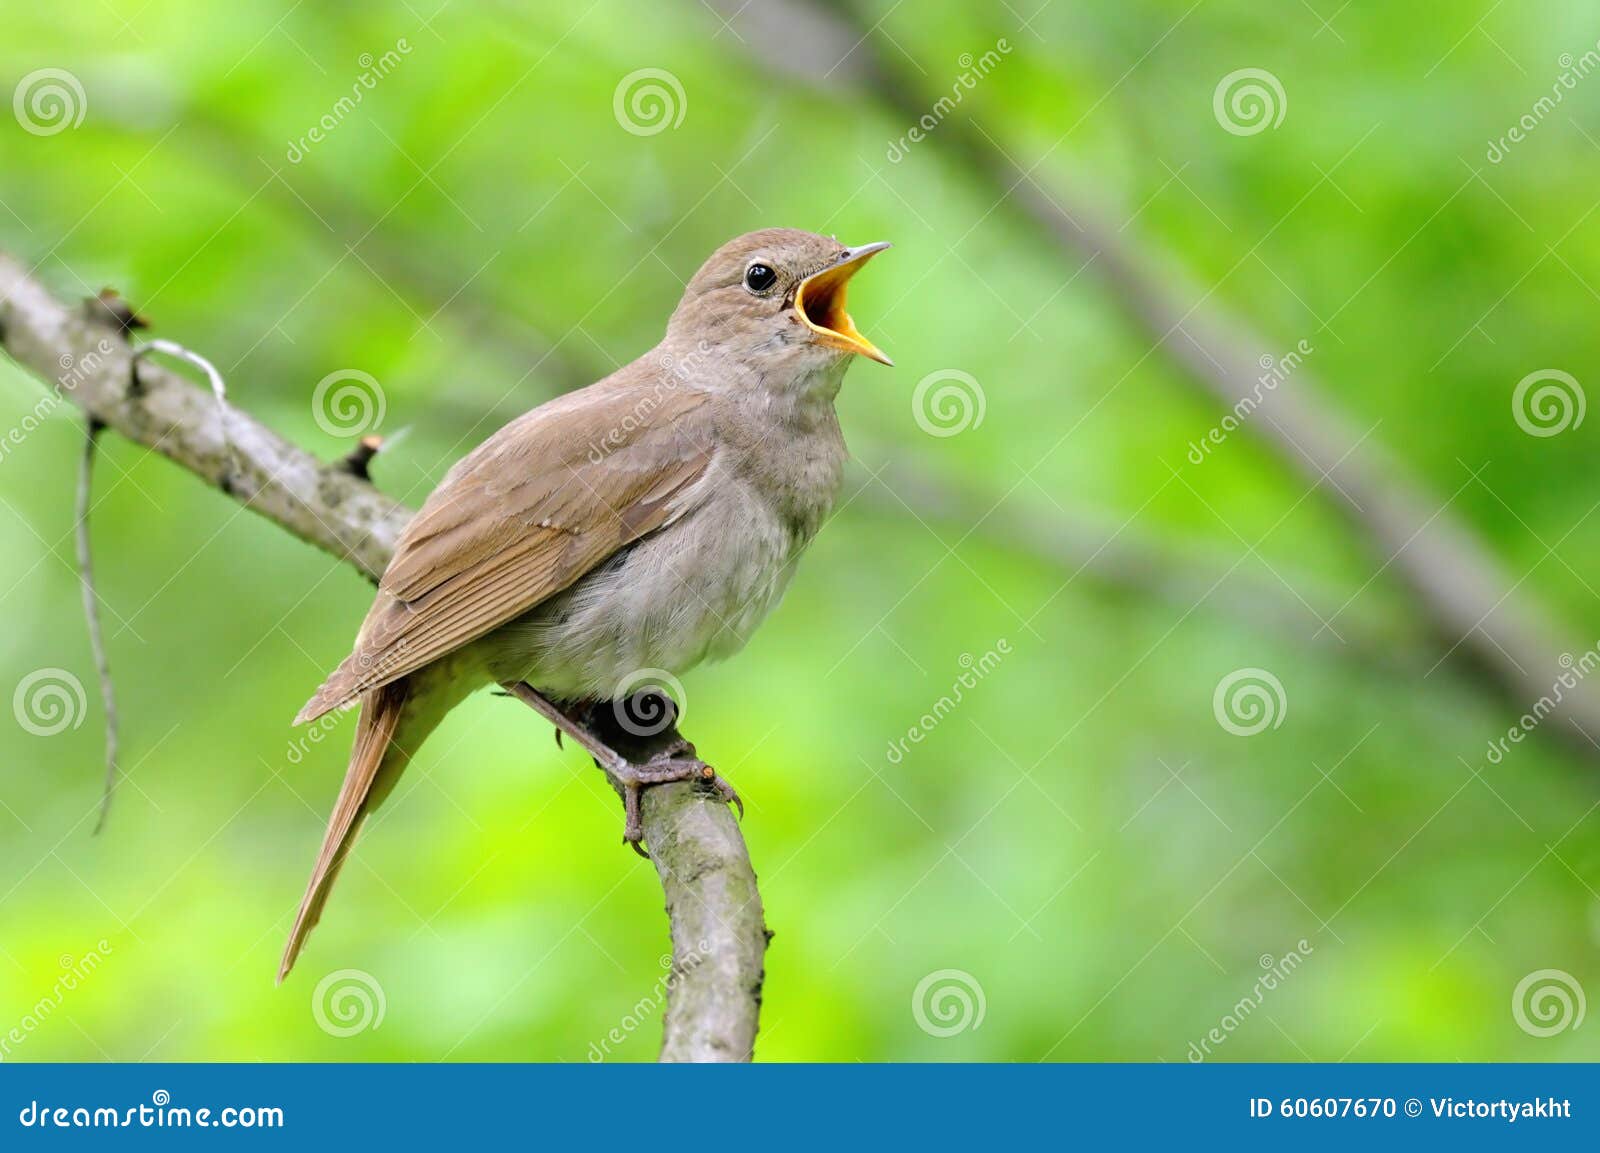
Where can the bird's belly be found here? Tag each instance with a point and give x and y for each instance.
(693, 591)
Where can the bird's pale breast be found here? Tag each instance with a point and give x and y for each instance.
(692, 591)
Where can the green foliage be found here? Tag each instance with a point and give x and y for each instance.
(1079, 835)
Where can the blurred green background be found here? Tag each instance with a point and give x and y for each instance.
(1103, 862)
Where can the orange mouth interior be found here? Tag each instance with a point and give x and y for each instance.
(820, 302)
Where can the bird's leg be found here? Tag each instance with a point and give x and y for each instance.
(606, 757)
(643, 727)
(656, 753)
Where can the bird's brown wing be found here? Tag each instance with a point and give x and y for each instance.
(532, 509)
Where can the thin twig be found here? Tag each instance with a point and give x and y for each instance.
(218, 388)
(358, 461)
(91, 613)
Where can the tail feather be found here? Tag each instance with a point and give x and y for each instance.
(380, 714)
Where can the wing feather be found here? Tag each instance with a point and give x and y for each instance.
(536, 506)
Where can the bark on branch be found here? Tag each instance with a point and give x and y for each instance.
(82, 354)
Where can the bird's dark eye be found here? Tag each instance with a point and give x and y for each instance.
(759, 278)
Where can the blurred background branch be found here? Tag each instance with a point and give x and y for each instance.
(1508, 642)
(1123, 560)
(1462, 590)
(989, 722)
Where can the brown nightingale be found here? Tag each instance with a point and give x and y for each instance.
(647, 522)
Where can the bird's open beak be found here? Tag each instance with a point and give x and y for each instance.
(820, 302)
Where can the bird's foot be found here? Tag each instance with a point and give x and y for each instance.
(597, 727)
(677, 763)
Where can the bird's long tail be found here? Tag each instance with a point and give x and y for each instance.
(375, 764)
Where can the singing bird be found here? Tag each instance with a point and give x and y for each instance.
(648, 521)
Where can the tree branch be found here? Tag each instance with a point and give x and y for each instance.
(91, 612)
(718, 934)
(1459, 586)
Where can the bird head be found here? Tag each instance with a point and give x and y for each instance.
(776, 299)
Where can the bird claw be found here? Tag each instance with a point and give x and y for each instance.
(726, 793)
(665, 768)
